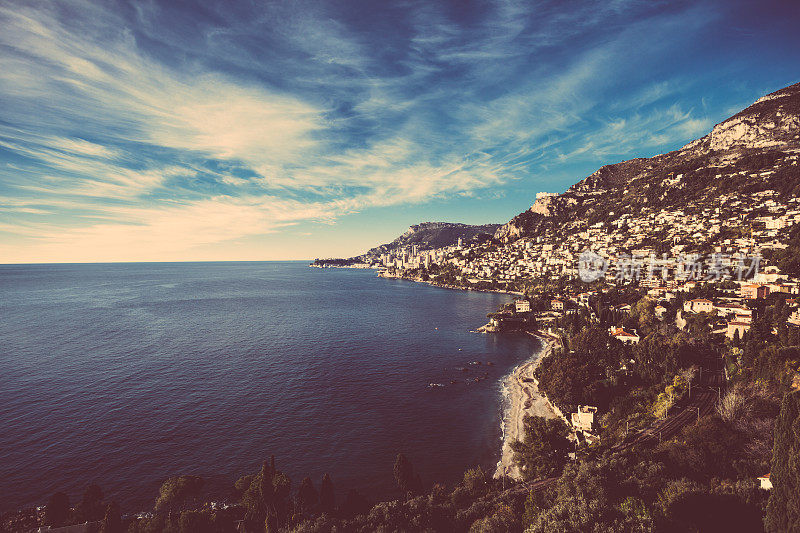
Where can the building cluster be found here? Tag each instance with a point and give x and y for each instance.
(656, 246)
(720, 242)
(413, 258)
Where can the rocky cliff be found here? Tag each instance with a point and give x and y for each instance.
(754, 150)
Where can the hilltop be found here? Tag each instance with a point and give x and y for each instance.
(754, 151)
(428, 235)
(732, 191)
(421, 237)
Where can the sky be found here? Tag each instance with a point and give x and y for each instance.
(245, 130)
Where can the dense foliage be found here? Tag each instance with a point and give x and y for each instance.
(543, 450)
(783, 511)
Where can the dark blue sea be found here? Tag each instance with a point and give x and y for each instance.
(126, 374)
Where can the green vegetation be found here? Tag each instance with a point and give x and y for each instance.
(788, 259)
(632, 493)
(543, 451)
(57, 512)
(178, 493)
(783, 510)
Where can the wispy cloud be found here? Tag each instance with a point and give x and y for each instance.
(154, 130)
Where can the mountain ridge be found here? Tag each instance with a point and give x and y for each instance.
(755, 151)
(762, 136)
(429, 235)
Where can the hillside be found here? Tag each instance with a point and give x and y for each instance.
(755, 151)
(428, 235)
(425, 236)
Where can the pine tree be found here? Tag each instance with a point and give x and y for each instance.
(57, 510)
(783, 508)
(327, 497)
(91, 506)
(403, 473)
(307, 495)
(543, 451)
(112, 522)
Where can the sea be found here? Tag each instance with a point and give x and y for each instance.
(126, 374)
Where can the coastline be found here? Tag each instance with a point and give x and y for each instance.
(522, 398)
(439, 285)
(432, 283)
(520, 387)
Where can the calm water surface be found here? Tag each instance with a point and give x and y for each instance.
(126, 374)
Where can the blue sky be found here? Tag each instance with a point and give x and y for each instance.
(243, 130)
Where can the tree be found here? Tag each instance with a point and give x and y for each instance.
(544, 450)
(177, 492)
(700, 510)
(354, 504)
(57, 510)
(783, 508)
(532, 510)
(91, 506)
(407, 482)
(196, 522)
(307, 496)
(112, 522)
(475, 480)
(327, 497)
(266, 499)
(644, 313)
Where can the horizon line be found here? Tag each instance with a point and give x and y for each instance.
(157, 262)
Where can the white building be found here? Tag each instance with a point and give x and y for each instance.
(583, 420)
(699, 305)
(540, 195)
(623, 336)
(522, 306)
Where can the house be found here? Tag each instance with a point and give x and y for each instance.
(584, 298)
(726, 310)
(583, 420)
(770, 275)
(522, 306)
(753, 291)
(733, 327)
(794, 318)
(698, 305)
(557, 305)
(765, 482)
(623, 336)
